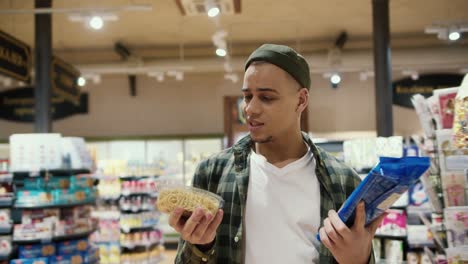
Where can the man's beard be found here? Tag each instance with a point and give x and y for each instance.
(263, 141)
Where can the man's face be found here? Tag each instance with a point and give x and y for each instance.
(272, 101)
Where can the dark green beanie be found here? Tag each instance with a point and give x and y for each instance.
(284, 57)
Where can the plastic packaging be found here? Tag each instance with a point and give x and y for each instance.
(172, 196)
(384, 184)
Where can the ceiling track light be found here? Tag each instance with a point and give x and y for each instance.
(447, 31)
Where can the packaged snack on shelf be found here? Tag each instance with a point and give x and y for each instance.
(109, 253)
(384, 184)
(30, 261)
(450, 157)
(137, 203)
(430, 184)
(33, 197)
(173, 195)
(41, 183)
(109, 188)
(453, 184)
(419, 235)
(393, 251)
(457, 255)
(394, 224)
(146, 186)
(418, 197)
(145, 219)
(5, 245)
(81, 181)
(460, 121)
(42, 230)
(456, 223)
(37, 251)
(5, 218)
(31, 216)
(76, 258)
(70, 247)
(77, 212)
(446, 99)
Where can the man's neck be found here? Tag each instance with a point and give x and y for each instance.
(282, 151)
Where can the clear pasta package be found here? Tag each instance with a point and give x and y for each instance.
(173, 195)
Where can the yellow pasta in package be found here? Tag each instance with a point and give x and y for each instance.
(460, 122)
(173, 195)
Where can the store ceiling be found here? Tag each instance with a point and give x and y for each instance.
(309, 25)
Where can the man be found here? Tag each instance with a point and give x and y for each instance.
(278, 187)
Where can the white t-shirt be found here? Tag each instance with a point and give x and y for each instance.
(282, 212)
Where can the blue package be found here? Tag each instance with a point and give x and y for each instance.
(30, 261)
(384, 184)
(67, 259)
(72, 247)
(36, 251)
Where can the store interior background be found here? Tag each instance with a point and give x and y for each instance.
(165, 40)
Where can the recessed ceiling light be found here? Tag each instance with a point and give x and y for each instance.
(221, 52)
(214, 11)
(96, 22)
(81, 81)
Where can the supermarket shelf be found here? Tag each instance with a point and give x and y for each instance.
(140, 210)
(57, 172)
(6, 178)
(133, 247)
(4, 257)
(55, 239)
(109, 215)
(5, 230)
(47, 206)
(126, 229)
(130, 178)
(127, 194)
(390, 237)
(6, 202)
(398, 207)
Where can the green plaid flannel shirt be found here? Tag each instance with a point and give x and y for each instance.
(227, 174)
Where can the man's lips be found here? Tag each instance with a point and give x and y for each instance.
(253, 125)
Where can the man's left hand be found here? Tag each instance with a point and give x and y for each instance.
(349, 245)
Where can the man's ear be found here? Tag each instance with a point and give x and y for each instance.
(303, 99)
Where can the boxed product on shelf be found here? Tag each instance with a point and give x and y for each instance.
(457, 255)
(78, 212)
(72, 226)
(75, 153)
(450, 157)
(460, 122)
(42, 230)
(419, 235)
(446, 98)
(145, 238)
(37, 251)
(81, 181)
(145, 219)
(147, 186)
(6, 193)
(418, 197)
(70, 247)
(5, 218)
(50, 183)
(30, 261)
(453, 184)
(30, 216)
(5, 245)
(394, 223)
(109, 253)
(109, 188)
(35, 152)
(137, 203)
(456, 223)
(393, 251)
(108, 231)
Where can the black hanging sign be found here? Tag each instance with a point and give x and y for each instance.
(404, 89)
(65, 81)
(18, 105)
(15, 58)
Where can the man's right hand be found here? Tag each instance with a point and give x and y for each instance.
(199, 229)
